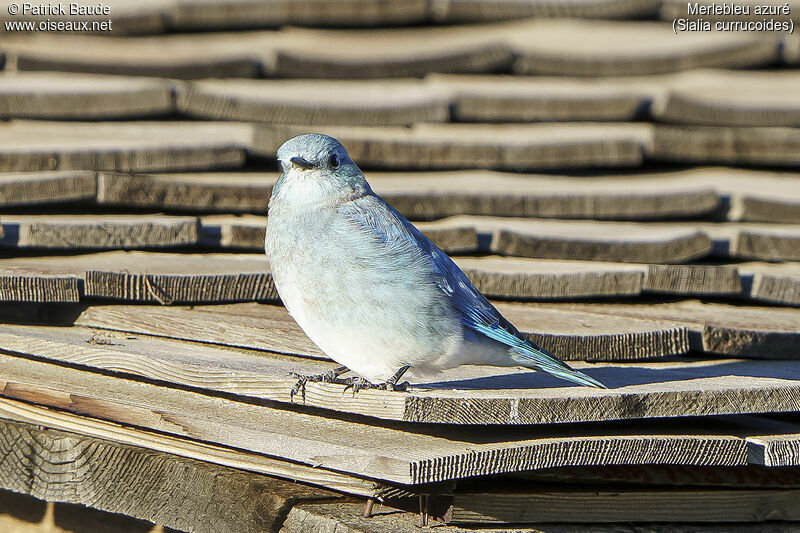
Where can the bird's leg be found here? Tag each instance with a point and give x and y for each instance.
(391, 384)
(331, 376)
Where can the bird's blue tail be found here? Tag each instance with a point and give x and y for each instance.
(531, 356)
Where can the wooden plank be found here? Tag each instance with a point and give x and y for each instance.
(596, 241)
(122, 146)
(500, 146)
(693, 280)
(230, 14)
(175, 278)
(428, 195)
(176, 492)
(391, 53)
(482, 11)
(352, 447)
(247, 233)
(196, 192)
(80, 232)
(727, 98)
(495, 98)
(774, 450)
(35, 188)
(71, 96)
(467, 395)
(742, 331)
(205, 55)
(40, 279)
(628, 48)
(593, 506)
(775, 283)
(519, 279)
(774, 146)
(338, 102)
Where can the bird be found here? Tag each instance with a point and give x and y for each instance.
(369, 289)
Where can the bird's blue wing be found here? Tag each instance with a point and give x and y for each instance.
(477, 313)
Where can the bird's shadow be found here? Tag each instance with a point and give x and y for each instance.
(616, 376)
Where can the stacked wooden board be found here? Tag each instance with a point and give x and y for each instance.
(627, 199)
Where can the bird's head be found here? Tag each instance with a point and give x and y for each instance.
(317, 169)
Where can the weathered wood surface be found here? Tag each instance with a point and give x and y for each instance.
(346, 102)
(197, 192)
(162, 488)
(773, 146)
(426, 195)
(362, 450)
(779, 449)
(521, 278)
(40, 279)
(753, 195)
(603, 506)
(775, 283)
(467, 395)
(693, 280)
(230, 14)
(766, 242)
(122, 146)
(78, 232)
(391, 53)
(70, 96)
(222, 55)
(596, 241)
(571, 335)
(36, 188)
(499, 146)
(247, 232)
(524, 99)
(631, 48)
(728, 98)
(483, 11)
(175, 278)
(187, 448)
(742, 331)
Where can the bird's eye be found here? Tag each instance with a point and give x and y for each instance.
(334, 161)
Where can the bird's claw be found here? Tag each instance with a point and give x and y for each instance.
(358, 384)
(331, 376)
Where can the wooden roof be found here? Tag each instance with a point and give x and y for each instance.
(629, 198)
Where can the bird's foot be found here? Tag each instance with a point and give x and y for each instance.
(358, 384)
(331, 376)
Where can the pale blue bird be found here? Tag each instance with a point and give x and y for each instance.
(369, 289)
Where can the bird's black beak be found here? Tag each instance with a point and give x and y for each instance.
(302, 163)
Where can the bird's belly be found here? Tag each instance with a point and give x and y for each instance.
(365, 324)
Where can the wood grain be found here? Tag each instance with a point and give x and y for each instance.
(775, 283)
(427, 195)
(742, 331)
(81, 232)
(482, 11)
(40, 279)
(599, 506)
(187, 56)
(175, 278)
(232, 14)
(122, 146)
(35, 188)
(391, 53)
(693, 280)
(51, 96)
(493, 98)
(596, 241)
(727, 98)
(196, 192)
(498, 146)
(388, 454)
(467, 395)
(346, 102)
(177, 492)
(604, 48)
(773, 146)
